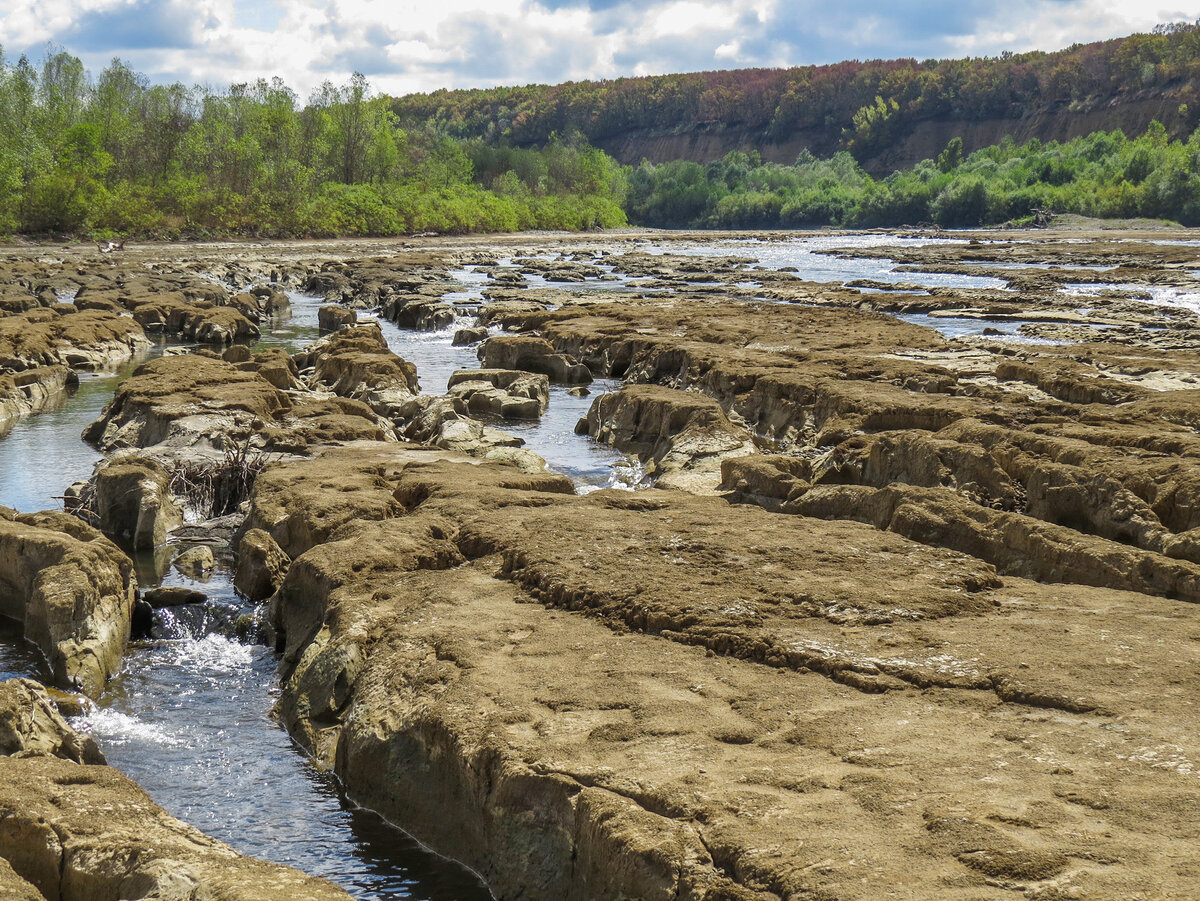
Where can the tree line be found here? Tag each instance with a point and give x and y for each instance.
(1104, 175)
(120, 155)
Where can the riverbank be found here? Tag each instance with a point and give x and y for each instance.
(914, 616)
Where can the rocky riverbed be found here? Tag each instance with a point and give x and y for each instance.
(904, 605)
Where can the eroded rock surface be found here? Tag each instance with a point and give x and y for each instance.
(72, 589)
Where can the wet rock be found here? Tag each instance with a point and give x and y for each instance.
(72, 589)
(262, 565)
(31, 725)
(467, 336)
(133, 501)
(80, 833)
(331, 318)
(172, 596)
(195, 562)
(532, 355)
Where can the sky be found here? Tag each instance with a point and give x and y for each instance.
(405, 47)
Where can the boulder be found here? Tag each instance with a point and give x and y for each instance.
(30, 724)
(134, 503)
(195, 562)
(73, 590)
(467, 336)
(330, 318)
(262, 565)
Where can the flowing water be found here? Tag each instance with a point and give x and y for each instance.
(189, 716)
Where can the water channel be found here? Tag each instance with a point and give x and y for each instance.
(189, 716)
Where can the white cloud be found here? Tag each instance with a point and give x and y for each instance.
(417, 46)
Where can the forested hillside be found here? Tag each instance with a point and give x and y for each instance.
(887, 113)
(118, 155)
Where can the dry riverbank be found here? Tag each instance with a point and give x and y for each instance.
(915, 617)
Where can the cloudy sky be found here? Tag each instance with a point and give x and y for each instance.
(418, 46)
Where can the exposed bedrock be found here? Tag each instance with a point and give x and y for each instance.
(75, 830)
(507, 393)
(88, 339)
(133, 501)
(191, 402)
(682, 436)
(532, 355)
(658, 695)
(72, 590)
(32, 390)
(30, 725)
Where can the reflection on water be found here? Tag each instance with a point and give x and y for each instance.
(19, 657)
(812, 259)
(41, 455)
(189, 718)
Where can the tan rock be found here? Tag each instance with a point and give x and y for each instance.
(85, 833)
(30, 725)
(73, 591)
(133, 501)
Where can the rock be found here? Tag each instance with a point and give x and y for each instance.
(72, 589)
(262, 565)
(433, 686)
(237, 353)
(579, 391)
(195, 561)
(532, 355)
(31, 390)
(88, 339)
(133, 501)
(424, 314)
(14, 887)
(82, 833)
(331, 318)
(507, 393)
(187, 399)
(31, 725)
(682, 436)
(471, 335)
(356, 362)
(172, 596)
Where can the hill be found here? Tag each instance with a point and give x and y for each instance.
(889, 113)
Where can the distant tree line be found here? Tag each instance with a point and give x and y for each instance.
(1105, 175)
(859, 106)
(120, 155)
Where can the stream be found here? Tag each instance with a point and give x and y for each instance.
(189, 715)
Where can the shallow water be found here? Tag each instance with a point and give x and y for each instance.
(41, 455)
(189, 719)
(811, 257)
